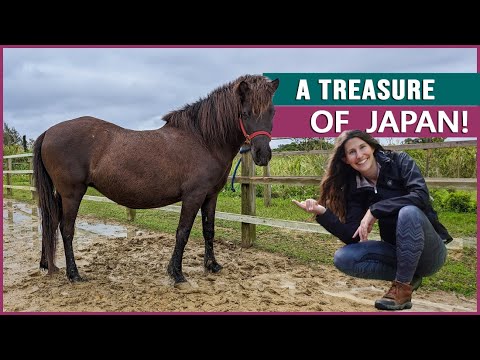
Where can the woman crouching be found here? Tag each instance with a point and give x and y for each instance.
(365, 183)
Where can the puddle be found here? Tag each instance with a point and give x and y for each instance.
(15, 217)
(103, 229)
(26, 208)
(15, 213)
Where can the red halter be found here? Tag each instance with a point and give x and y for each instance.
(248, 137)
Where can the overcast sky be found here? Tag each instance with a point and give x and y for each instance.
(134, 88)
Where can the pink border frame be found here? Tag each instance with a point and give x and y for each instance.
(233, 46)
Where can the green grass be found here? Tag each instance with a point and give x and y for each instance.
(458, 275)
(279, 208)
(459, 224)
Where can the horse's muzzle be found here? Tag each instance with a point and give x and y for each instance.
(261, 155)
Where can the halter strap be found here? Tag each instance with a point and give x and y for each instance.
(248, 137)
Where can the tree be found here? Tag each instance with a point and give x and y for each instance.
(423, 140)
(13, 143)
(305, 144)
(24, 143)
(11, 136)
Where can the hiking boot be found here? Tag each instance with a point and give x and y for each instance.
(398, 297)
(416, 282)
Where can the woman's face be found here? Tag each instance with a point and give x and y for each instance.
(359, 155)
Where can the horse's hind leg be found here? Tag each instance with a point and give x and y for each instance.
(70, 205)
(208, 225)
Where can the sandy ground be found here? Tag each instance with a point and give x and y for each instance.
(125, 268)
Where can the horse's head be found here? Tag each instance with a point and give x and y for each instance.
(256, 118)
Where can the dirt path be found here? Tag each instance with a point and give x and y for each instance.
(126, 272)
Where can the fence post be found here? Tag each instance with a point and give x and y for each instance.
(32, 182)
(267, 188)
(131, 214)
(427, 165)
(248, 201)
(9, 176)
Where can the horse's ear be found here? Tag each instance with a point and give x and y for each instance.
(275, 84)
(242, 90)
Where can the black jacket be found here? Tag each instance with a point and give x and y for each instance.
(399, 184)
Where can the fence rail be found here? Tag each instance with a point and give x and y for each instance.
(454, 183)
(248, 182)
(422, 146)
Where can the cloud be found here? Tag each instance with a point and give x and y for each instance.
(135, 87)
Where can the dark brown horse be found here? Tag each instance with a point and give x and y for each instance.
(186, 160)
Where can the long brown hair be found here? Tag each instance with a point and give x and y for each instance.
(215, 117)
(334, 185)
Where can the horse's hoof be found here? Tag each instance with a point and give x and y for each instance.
(76, 278)
(184, 285)
(177, 276)
(214, 267)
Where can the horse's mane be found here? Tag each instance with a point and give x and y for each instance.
(215, 117)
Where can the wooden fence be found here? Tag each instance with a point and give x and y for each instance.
(248, 181)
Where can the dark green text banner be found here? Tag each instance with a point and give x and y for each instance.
(377, 89)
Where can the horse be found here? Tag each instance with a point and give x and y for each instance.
(188, 160)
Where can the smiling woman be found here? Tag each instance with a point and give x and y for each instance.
(365, 183)
(359, 155)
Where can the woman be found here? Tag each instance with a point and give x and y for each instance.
(363, 183)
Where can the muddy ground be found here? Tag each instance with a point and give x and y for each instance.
(125, 268)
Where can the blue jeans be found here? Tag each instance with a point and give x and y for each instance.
(417, 245)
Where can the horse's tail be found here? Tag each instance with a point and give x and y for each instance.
(49, 203)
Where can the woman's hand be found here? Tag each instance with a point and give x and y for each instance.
(366, 226)
(311, 206)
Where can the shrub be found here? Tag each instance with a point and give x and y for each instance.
(440, 198)
(459, 201)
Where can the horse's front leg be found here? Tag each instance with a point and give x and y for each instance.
(187, 216)
(208, 224)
